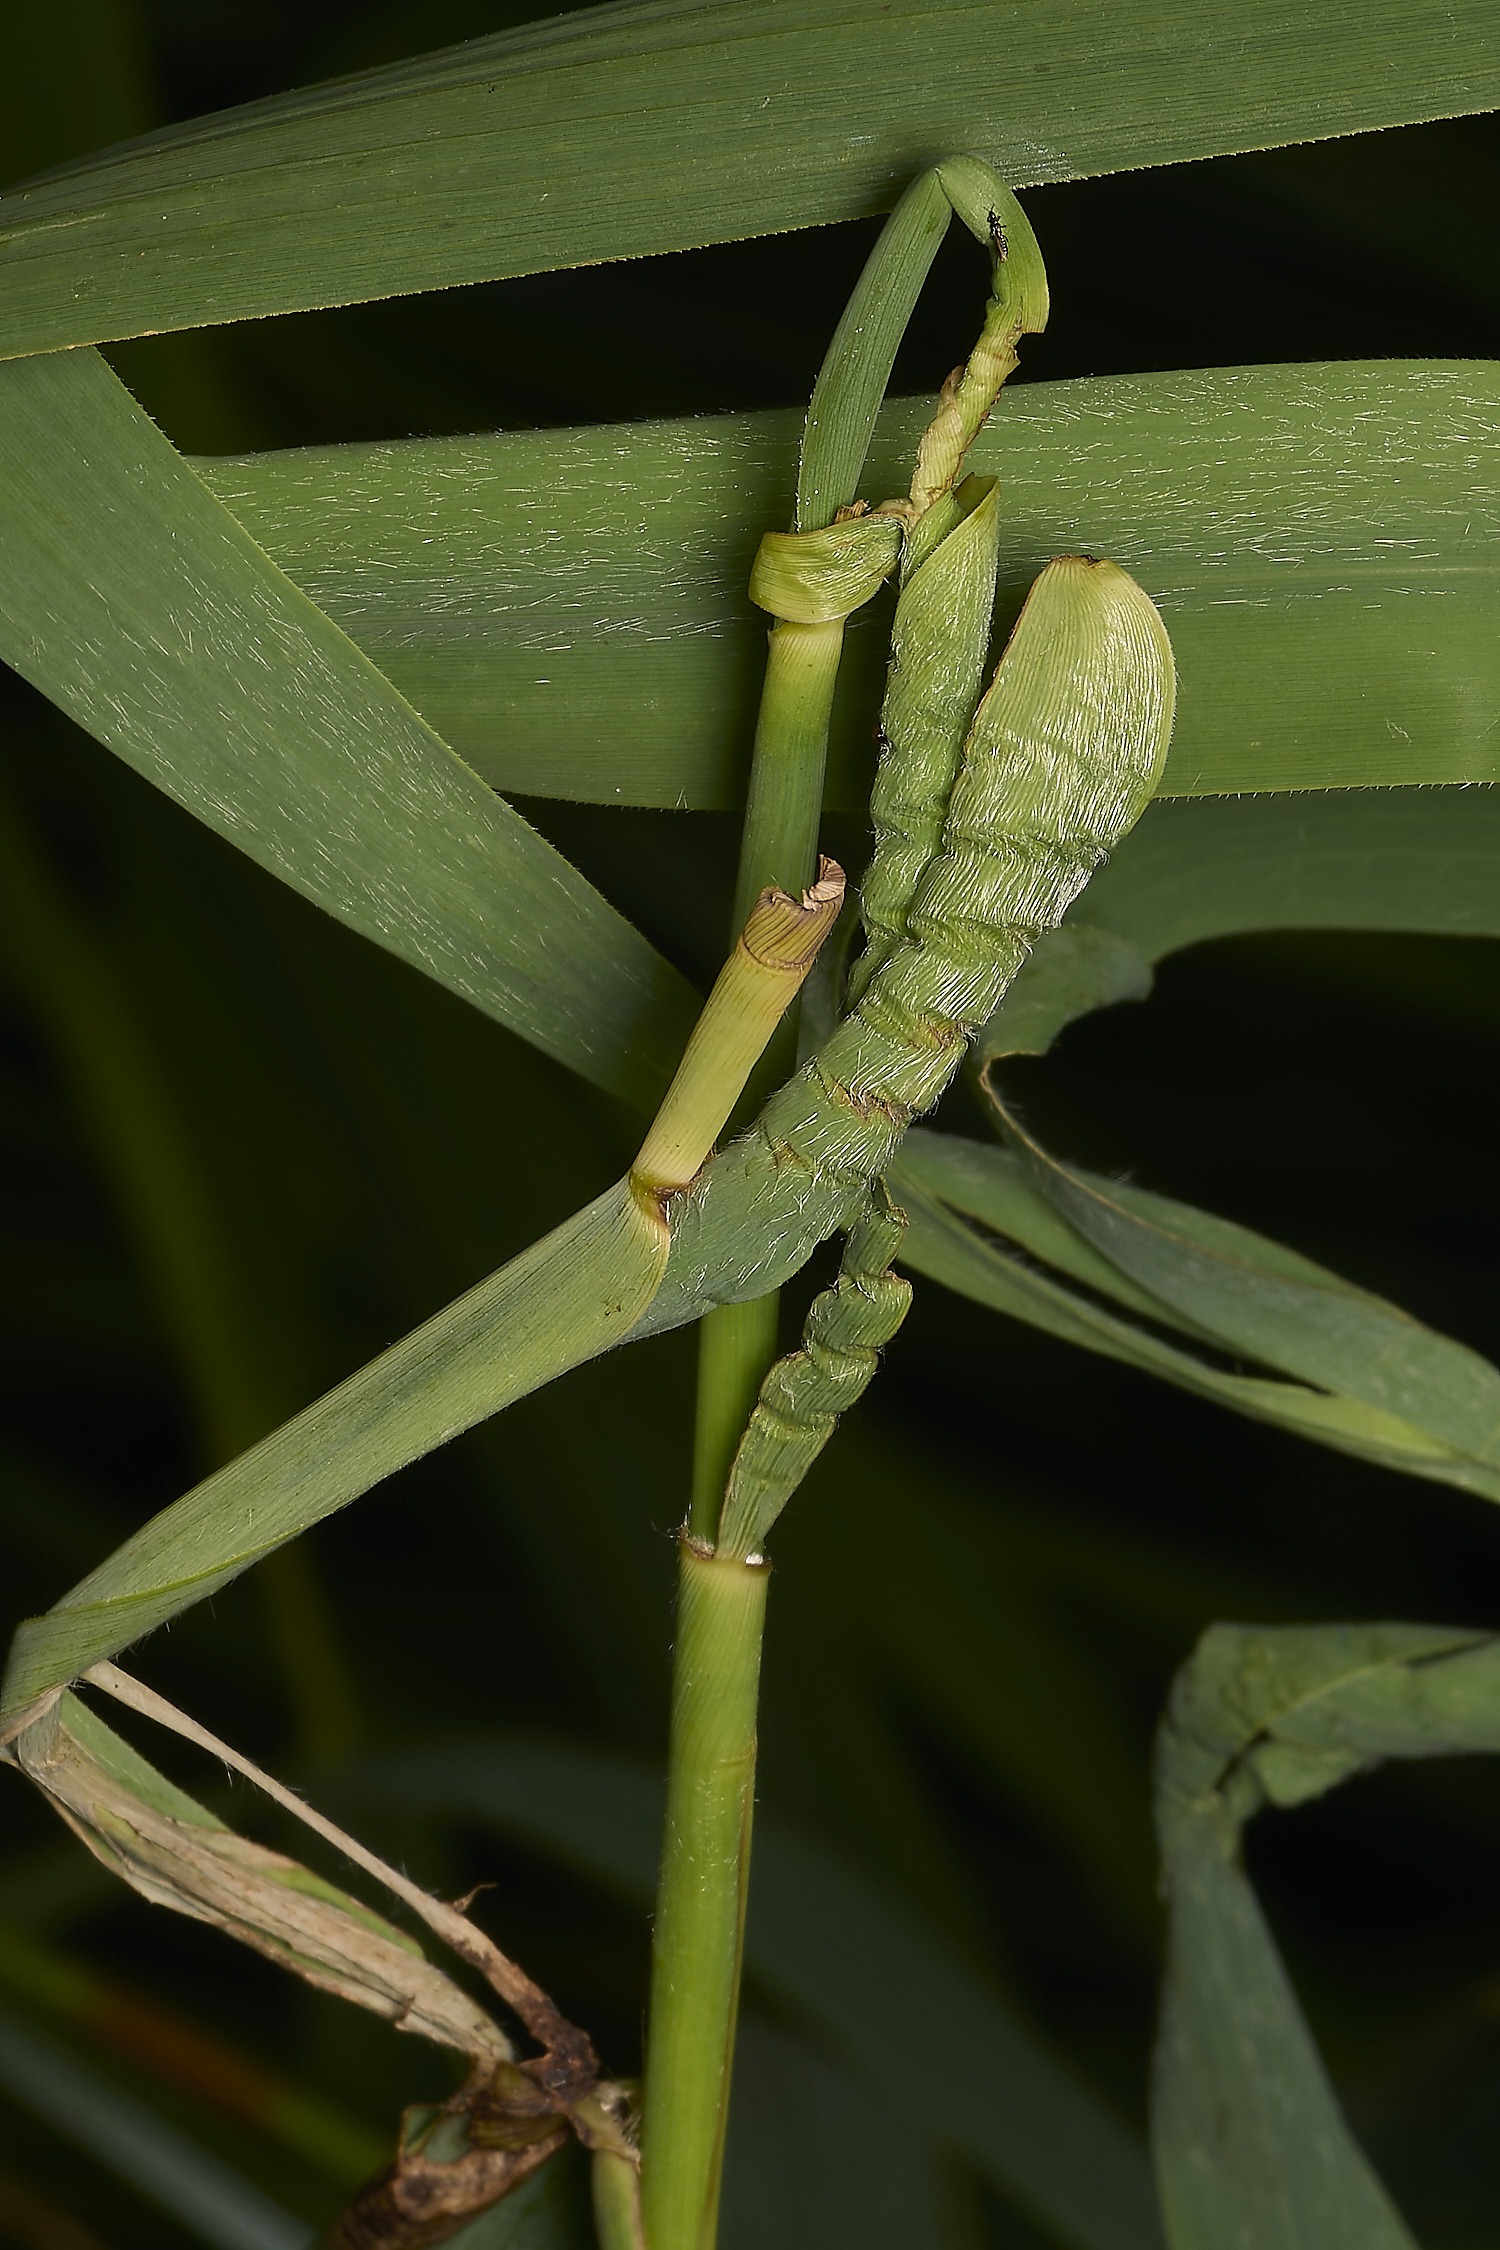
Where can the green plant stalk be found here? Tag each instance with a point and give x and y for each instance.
(810, 581)
(615, 2191)
(791, 750)
(700, 1912)
(779, 847)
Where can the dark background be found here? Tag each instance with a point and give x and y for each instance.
(358, 1147)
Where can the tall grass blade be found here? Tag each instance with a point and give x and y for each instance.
(980, 1223)
(1404, 859)
(1252, 2152)
(635, 129)
(136, 602)
(1259, 1301)
(1331, 629)
(568, 1297)
(582, 1288)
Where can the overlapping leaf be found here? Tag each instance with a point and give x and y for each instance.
(568, 607)
(569, 1296)
(651, 127)
(167, 1847)
(1061, 1249)
(1402, 859)
(1252, 2151)
(139, 604)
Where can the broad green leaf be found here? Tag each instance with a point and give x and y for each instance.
(1279, 1714)
(1263, 1302)
(636, 129)
(1069, 973)
(1404, 859)
(981, 1225)
(1251, 2150)
(135, 601)
(875, 1985)
(120, 2133)
(571, 1295)
(568, 607)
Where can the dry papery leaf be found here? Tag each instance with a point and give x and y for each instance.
(453, 2161)
(187, 1860)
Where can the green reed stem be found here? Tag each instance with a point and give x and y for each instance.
(791, 749)
(700, 1911)
(705, 1862)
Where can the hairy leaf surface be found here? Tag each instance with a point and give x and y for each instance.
(135, 601)
(628, 130)
(568, 606)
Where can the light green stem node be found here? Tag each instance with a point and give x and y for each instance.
(604, 2124)
(771, 956)
(700, 1912)
(822, 577)
(804, 1394)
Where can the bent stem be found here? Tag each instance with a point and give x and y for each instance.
(700, 1912)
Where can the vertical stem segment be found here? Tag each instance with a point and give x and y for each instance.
(700, 1912)
(791, 750)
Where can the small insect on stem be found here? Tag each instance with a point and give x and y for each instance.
(998, 241)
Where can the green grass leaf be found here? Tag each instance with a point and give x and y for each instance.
(139, 605)
(1252, 2152)
(1260, 1301)
(568, 607)
(873, 1984)
(629, 130)
(562, 1301)
(981, 1224)
(1403, 859)
(1388, 859)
